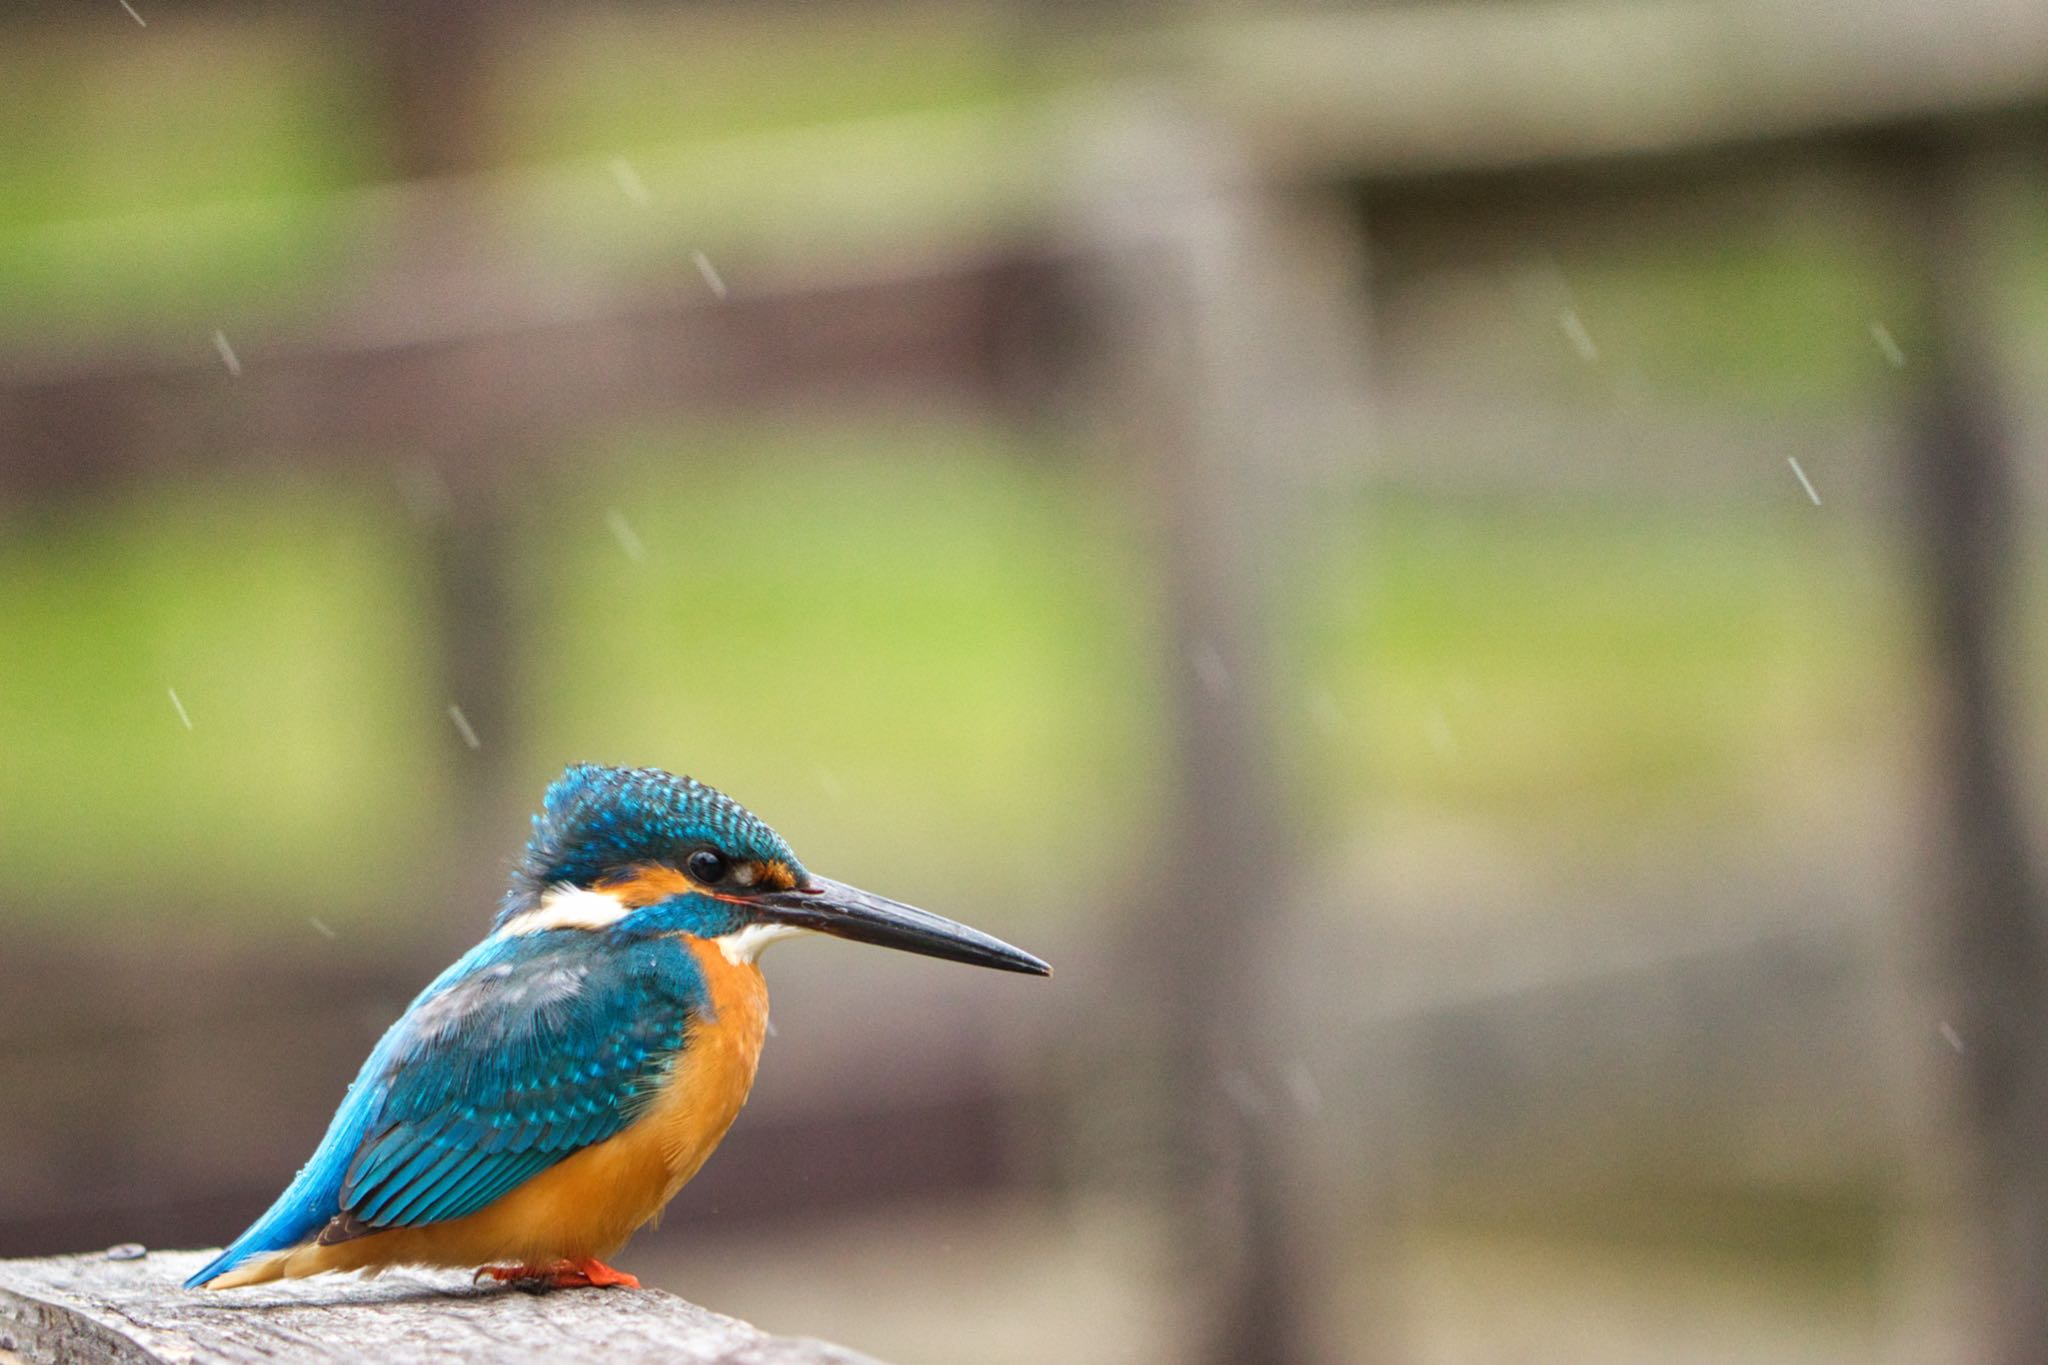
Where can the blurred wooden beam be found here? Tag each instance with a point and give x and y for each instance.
(516, 371)
(1452, 88)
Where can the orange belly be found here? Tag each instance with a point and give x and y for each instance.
(589, 1204)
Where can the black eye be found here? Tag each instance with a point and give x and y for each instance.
(707, 868)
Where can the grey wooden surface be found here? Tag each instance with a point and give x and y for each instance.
(92, 1309)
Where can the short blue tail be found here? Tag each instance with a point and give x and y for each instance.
(313, 1197)
(290, 1221)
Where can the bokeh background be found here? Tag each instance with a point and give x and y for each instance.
(1467, 572)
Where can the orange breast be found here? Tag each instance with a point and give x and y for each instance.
(716, 1071)
(589, 1204)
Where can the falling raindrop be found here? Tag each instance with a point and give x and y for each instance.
(227, 353)
(462, 727)
(179, 707)
(1887, 344)
(1575, 331)
(623, 533)
(630, 183)
(1804, 482)
(710, 273)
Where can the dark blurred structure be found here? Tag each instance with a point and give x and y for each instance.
(1245, 208)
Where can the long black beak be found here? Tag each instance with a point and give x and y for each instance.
(848, 912)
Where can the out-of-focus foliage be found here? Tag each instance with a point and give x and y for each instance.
(286, 621)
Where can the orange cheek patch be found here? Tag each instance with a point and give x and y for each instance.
(649, 884)
(652, 883)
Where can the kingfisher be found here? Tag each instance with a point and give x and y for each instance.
(549, 1093)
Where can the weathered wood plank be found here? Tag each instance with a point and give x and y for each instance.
(98, 1310)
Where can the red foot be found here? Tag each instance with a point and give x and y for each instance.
(587, 1274)
(601, 1276)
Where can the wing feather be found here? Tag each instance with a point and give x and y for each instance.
(513, 1066)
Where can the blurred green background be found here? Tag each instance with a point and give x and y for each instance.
(1592, 725)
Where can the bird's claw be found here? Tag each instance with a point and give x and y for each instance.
(601, 1276)
(585, 1274)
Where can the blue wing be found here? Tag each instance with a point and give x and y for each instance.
(527, 1050)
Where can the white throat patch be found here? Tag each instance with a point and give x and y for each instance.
(742, 946)
(569, 907)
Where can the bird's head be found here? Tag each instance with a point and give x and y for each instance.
(638, 850)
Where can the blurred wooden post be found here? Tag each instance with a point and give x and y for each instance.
(1209, 401)
(436, 76)
(1988, 912)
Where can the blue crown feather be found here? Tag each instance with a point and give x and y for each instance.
(596, 820)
